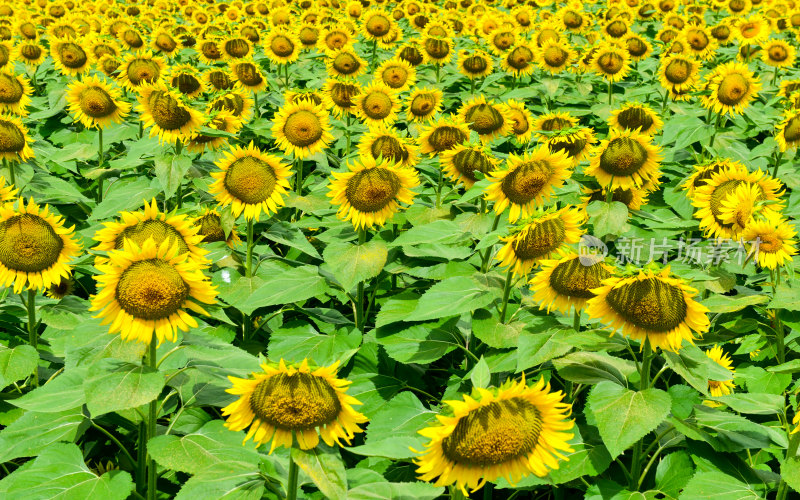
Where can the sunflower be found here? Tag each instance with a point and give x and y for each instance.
(209, 51)
(611, 62)
(302, 129)
(778, 53)
(502, 39)
(109, 66)
(163, 41)
(333, 38)
(377, 104)
(771, 239)
(733, 86)
(722, 33)
(61, 289)
(282, 403)
(396, 74)
(345, 63)
(69, 57)
(281, 46)
(737, 210)
(637, 117)
(678, 73)
(15, 143)
(236, 47)
(15, 92)
(651, 305)
(236, 100)
(371, 192)
(789, 87)
(375, 24)
(553, 122)
(251, 181)
(568, 281)
(308, 36)
(186, 80)
(95, 103)
(146, 290)
(412, 53)
(574, 20)
(35, 247)
(140, 69)
(487, 119)
(423, 103)
(438, 50)
(475, 64)
(703, 172)
(339, 97)
(519, 61)
(510, 432)
(7, 54)
(626, 159)
(638, 47)
(788, 130)
(527, 181)
(383, 141)
(540, 238)
(462, 162)
(221, 121)
(575, 142)
(170, 117)
(753, 30)
(218, 79)
(521, 120)
(248, 74)
(723, 387)
(555, 56)
(444, 134)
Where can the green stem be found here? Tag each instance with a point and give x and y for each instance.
(666, 101)
(472, 86)
(258, 111)
(101, 158)
(291, 487)
(506, 293)
(249, 258)
(141, 460)
(298, 180)
(437, 73)
(151, 425)
(116, 442)
(610, 92)
(362, 238)
(286, 74)
(33, 335)
(791, 451)
(644, 384)
(609, 193)
(576, 321)
(347, 133)
(11, 174)
(488, 254)
(457, 494)
(778, 158)
(716, 129)
(374, 53)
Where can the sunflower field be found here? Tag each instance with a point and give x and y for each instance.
(416, 250)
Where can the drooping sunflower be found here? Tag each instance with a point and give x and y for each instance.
(575, 142)
(637, 46)
(771, 239)
(236, 100)
(377, 104)
(778, 53)
(302, 129)
(236, 47)
(722, 387)
(487, 119)
(678, 74)
(637, 117)
(284, 403)
(555, 56)
(95, 103)
(169, 117)
(611, 62)
(69, 57)
(221, 121)
(383, 141)
(15, 143)
(626, 159)
(521, 120)
(281, 46)
(7, 54)
(567, 282)
(733, 86)
(616, 28)
(218, 79)
(397, 74)
(651, 305)
(475, 64)
(15, 92)
(788, 130)
(61, 289)
(339, 96)
(145, 291)
(140, 69)
(345, 63)
(510, 432)
(519, 61)
(438, 50)
(527, 181)
(423, 103)
(445, 133)
(311, 95)
(248, 74)
(209, 51)
(251, 181)
(371, 192)
(462, 162)
(35, 247)
(109, 66)
(540, 238)
(412, 53)
(186, 80)
(163, 41)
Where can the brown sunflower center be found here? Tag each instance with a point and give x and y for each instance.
(308, 36)
(109, 66)
(185, 83)
(503, 41)
(395, 76)
(167, 112)
(650, 304)
(151, 290)
(248, 74)
(237, 48)
(778, 53)
(697, 40)
(166, 43)
(378, 25)
(733, 89)
(411, 55)
(572, 19)
(342, 94)
(143, 71)
(525, 182)
(11, 90)
(71, 55)
(635, 118)
(575, 279)
(769, 243)
(297, 402)
(437, 48)
(303, 128)
(678, 71)
(540, 239)
(520, 58)
(573, 144)
(623, 157)
(336, 40)
(5, 54)
(346, 63)
(636, 47)
(28, 30)
(519, 122)
(437, 31)
(494, 434)
(159, 230)
(446, 137)
(12, 139)
(484, 119)
(468, 161)
(377, 105)
(610, 63)
(721, 33)
(211, 51)
(96, 102)
(220, 80)
(791, 133)
(28, 243)
(371, 190)
(388, 147)
(132, 39)
(475, 64)
(555, 57)
(282, 46)
(546, 35)
(423, 105)
(616, 29)
(749, 30)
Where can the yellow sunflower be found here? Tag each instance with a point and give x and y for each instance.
(723, 33)
(510, 432)
(7, 54)
(638, 47)
(69, 57)
(345, 63)
(788, 130)
(678, 74)
(540, 238)
(162, 40)
(210, 52)
(15, 143)
(376, 24)
(412, 53)
(778, 53)
(339, 97)
(487, 119)
(7, 193)
(95, 103)
(519, 61)
(145, 291)
(553, 122)
(632, 198)
(555, 56)
(567, 282)
(251, 181)
(237, 100)
(462, 162)
(475, 64)
(771, 240)
(140, 69)
(218, 79)
(611, 62)
(752, 30)
(168, 116)
(383, 141)
(637, 117)
(703, 172)
(371, 191)
(248, 74)
(723, 387)
(333, 38)
(733, 86)
(15, 92)
(186, 80)
(521, 120)
(698, 42)
(288, 402)
(221, 121)
(651, 305)
(626, 159)
(109, 66)
(397, 74)
(444, 134)
(438, 51)
(423, 103)
(281, 46)
(35, 247)
(377, 104)
(302, 129)
(527, 181)
(789, 87)
(236, 47)
(575, 142)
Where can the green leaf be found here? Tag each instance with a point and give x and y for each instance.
(537, 348)
(420, 343)
(395, 491)
(480, 375)
(790, 472)
(754, 403)
(673, 472)
(124, 194)
(695, 367)
(170, 170)
(114, 385)
(624, 416)
(607, 218)
(324, 466)
(285, 286)
(397, 308)
(594, 367)
(758, 379)
(62, 393)
(792, 366)
(33, 432)
(683, 400)
(724, 304)
(785, 297)
(212, 444)
(452, 297)
(352, 264)
(67, 314)
(225, 481)
(60, 473)
(487, 327)
(440, 231)
(284, 233)
(734, 432)
(300, 342)
(17, 363)
(394, 428)
(717, 486)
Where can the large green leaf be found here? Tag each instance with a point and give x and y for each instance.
(62, 393)
(283, 286)
(225, 481)
(695, 367)
(624, 416)
(394, 429)
(790, 472)
(300, 342)
(754, 403)
(33, 432)
(170, 171)
(594, 367)
(673, 472)
(419, 343)
(352, 264)
(17, 363)
(452, 297)
(324, 466)
(718, 486)
(395, 491)
(286, 234)
(114, 385)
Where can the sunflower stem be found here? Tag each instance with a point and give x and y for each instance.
(610, 92)
(11, 173)
(33, 335)
(362, 238)
(437, 73)
(487, 255)
(151, 425)
(791, 451)
(141, 460)
(249, 257)
(665, 102)
(374, 53)
(576, 320)
(716, 129)
(457, 494)
(506, 294)
(471, 86)
(347, 133)
(778, 158)
(291, 487)
(644, 384)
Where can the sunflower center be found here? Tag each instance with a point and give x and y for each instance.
(388, 147)
(436, 48)
(572, 19)
(791, 133)
(732, 89)
(616, 29)
(540, 239)
(342, 94)
(475, 64)
(110, 66)
(377, 105)
(635, 118)
(248, 74)
(28, 30)
(546, 35)
(302, 128)
(437, 31)
(151, 290)
(525, 182)
(650, 304)
(132, 39)
(422, 105)
(446, 137)
(281, 46)
(335, 40)
(5, 54)
(573, 144)
(237, 48)
(494, 434)
(378, 26)
(165, 43)
(211, 51)
(96, 102)
(698, 40)
(159, 230)
(520, 123)
(71, 55)
(346, 64)
(295, 402)
(411, 55)
(503, 40)
(167, 112)
(769, 243)
(749, 30)
(778, 53)
(721, 32)
(555, 123)
(610, 63)
(143, 70)
(636, 47)
(28, 243)
(555, 57)
(372, 189)
(623, 157)
(186, 83)
(467, 162)
(12, 140)
(102, 50)
(250, 179)
(220, 80)
(484, 119)
(10, 89)
(678, 71)
(574, 279)
(519, 58)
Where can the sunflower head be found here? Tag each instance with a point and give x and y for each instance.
(444, 134)
(733, 86)
(636, 117)
(384, 142)
(397, 74)
(141, 69)
(346, 63)
(95, 103)
(302, 128)
(788, 135)
(611, 62)
(168, 115)
(486, 118)
(423, 104)
(463, 162)
(378, 103)
(722, 387)
(574, 142)
(626, 159)
(14, 139)
(568, 281)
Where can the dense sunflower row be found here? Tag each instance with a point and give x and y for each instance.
(396, 108)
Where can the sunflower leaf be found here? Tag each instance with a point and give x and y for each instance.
(34, 432)
(324, 466)
(114, 385)
(353, 264)
(17, 363)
